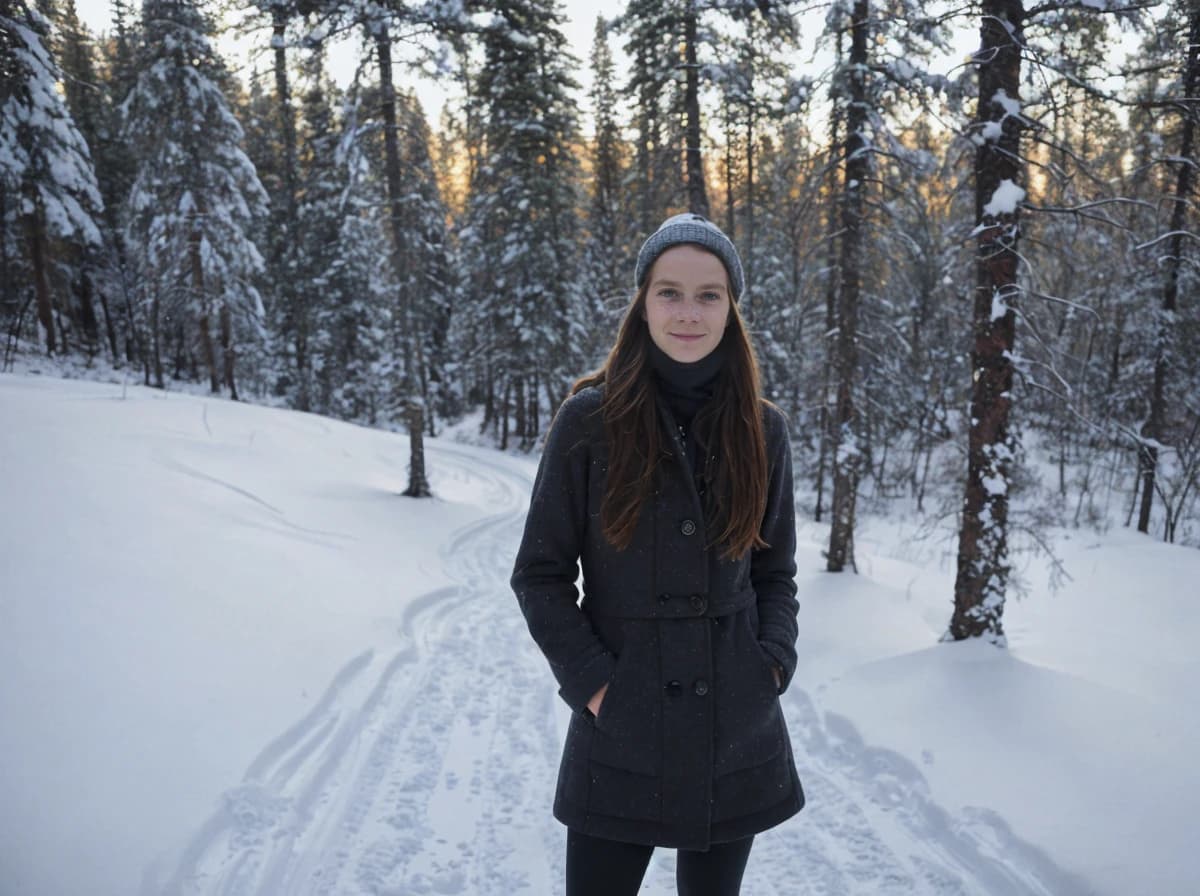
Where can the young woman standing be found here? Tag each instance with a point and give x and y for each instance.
(669, 478)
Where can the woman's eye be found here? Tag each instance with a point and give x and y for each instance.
(667, 293)
(710, 297)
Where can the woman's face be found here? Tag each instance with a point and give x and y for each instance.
(687, 302)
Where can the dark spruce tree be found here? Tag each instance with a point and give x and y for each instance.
(48, 192)
(522, 322)
(89, 264)
(342, 236)
(609, 239)
(653, 34)
(193, 210)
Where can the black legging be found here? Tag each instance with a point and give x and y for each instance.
(597, 867)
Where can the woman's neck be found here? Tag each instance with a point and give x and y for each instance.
(687, 386)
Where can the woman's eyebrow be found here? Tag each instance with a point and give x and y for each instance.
(664, 282)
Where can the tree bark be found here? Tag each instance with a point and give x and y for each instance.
(1153, 431)
(831, 293)
(206, 342)
(418, 484)
(847, 442)
(644, 150)
(88, 322)
(730, 222)
(295, 301)
(983, 564)
(697, 194)
(228, 355)
(210, 355)
(156, 344)
(750, 123)
(35, 232)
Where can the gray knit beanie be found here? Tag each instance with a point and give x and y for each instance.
(696, 229)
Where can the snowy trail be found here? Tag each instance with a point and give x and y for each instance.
(429, 767)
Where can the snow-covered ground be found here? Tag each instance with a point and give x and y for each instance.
(236, 661)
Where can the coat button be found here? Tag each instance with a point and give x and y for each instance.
(699, 604)
(700, 687)
(674, 688)
(687, 527)
(664, 598)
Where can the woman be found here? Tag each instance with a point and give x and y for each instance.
(669, 478)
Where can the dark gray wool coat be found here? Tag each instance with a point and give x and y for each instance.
(689, 747)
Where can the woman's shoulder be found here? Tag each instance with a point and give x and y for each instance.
(775, 421)
(587, 399)
(576, 411)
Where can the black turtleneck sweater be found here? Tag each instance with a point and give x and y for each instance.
(686, 388)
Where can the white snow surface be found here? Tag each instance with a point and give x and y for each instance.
(237, 661)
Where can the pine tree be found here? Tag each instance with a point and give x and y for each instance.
(1155, 430)
(46, 174)
(91, 114)
(193, 208)
(519, 243)
(428, 265)
(342, 238)
(609, 240)
(115, 173)
(654, 32)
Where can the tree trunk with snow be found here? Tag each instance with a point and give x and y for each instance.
(847, 446)
(983, 564)
(833, 225)
(1153, 430)
(418, 484)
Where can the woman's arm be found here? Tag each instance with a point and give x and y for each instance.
(547, 562)
(773, 568)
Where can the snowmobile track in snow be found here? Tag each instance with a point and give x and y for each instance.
(429, 769)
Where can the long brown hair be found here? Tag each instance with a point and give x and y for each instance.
(730, 427)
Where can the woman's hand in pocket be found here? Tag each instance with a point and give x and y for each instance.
(597, 698)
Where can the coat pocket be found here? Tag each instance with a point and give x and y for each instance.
(626, 728)
(749, 722)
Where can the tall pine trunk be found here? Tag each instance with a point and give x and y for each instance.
(1153, 432)
(228, 355)
(418, 484)
(697, 194)
(35, 233)
(831, 290)
(847, 440)
(983, 564)
(647, 116)
(206, 340)
(295, 300)
(210, 353)
(751, 110)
